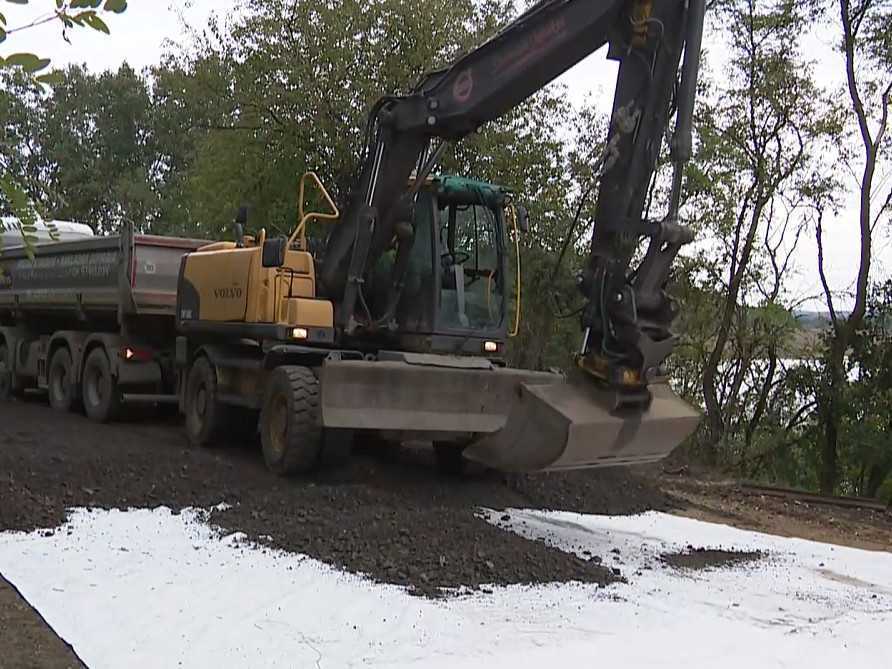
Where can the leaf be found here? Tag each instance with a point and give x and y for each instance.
(2, 19)
(97, 24)
(27, 61)
(82, 4)
(18, 2)
(116, 6)
(55, 78)
(2, 35)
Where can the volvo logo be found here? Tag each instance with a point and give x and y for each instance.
(228, 293)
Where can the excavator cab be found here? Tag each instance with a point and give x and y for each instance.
(459, 284)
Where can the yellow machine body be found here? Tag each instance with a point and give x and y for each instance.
(225, 284)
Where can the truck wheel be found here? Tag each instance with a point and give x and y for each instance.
(59, 383)
(290, 422)
(8, 388)
(205, 416)
(450, 460)
(102, 401)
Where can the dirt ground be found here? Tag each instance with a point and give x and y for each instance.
(708, 558)
(721, 501)
(26, 641)
(365, 518)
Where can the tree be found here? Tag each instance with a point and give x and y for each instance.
(285, 89)
(70, 14)
(866, 46)
(100, 149)
(758, 134)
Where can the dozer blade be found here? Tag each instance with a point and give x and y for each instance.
(575, 425)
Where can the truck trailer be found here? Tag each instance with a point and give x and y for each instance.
(92, 321)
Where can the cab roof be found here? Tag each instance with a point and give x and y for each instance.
(461, 190)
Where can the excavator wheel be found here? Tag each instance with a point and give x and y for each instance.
(291, 422)
(205, 415)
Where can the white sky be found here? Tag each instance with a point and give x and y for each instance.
(149, 27)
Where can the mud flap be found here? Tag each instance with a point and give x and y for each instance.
(574, 425)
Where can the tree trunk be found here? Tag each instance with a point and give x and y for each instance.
(829, 473)
(876, 476)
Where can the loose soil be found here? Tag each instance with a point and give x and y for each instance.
(396, 522)
(709, 558)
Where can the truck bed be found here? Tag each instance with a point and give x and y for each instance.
(131, 274)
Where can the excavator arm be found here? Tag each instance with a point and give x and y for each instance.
(627, 315)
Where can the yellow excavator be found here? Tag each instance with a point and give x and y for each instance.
(396, 326)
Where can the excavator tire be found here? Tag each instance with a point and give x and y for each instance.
(291, 421)
(205, 416)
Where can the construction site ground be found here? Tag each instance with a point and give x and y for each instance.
(393, 519)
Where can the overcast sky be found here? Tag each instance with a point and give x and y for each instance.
(149, 27)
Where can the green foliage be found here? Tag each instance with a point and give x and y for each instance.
(287, 87)
(14, 192)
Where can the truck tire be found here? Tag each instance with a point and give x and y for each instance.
(102, 401)
(205, 415)
(59, 385)
(291, 421)
(8, 386)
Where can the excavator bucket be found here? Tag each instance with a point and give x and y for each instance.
(576, 425)
(522, 421)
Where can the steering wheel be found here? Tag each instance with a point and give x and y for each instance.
(475, 274)
(457, 257)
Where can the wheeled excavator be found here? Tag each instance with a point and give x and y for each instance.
(397, 327)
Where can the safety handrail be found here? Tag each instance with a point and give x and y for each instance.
(512, 214)
(300, 230)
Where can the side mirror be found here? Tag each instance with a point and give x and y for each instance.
(273, 254)
(241, 219)
(523, 218)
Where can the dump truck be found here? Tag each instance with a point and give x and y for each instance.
(92, 321)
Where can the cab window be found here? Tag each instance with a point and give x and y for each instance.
(472, 287)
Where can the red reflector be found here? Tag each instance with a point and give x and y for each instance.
(132, 354)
